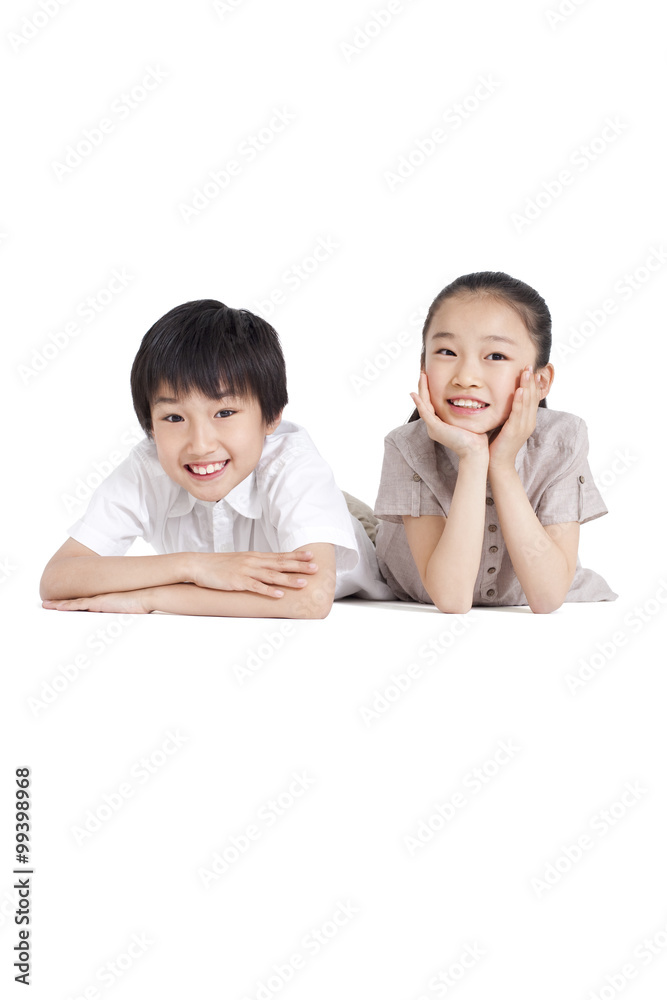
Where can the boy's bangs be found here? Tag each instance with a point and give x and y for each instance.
(203, 364)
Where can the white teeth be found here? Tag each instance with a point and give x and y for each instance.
(471, 404)
(205, 470)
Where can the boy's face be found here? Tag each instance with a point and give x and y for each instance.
(208, 446)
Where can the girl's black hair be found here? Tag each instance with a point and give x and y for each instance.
(519, 296)
(204, 346)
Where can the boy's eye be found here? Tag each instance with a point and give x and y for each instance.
(225, 413)
(173, 418)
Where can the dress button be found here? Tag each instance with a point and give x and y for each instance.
(582, 479)
(416, 477)
(490, 593)
(489, 501)
(493, 527)
(494, 548)
(491, 570)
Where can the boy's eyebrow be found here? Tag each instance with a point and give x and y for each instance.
(492, 336)
(172, 400)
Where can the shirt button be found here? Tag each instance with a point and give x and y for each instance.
(493, 527)
(490, 593)
(417, 478)
(494, 548)
(582, 479)
(489, 501)
(491, 570)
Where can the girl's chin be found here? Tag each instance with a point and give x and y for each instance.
(493, 434)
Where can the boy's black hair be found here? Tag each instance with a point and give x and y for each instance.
(204, 346)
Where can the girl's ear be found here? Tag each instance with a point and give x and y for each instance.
(546, 377)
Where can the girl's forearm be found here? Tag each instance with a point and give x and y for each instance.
(453, 567)
(541, 566)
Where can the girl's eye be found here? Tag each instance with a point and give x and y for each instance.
(497, 357)
(446, 350)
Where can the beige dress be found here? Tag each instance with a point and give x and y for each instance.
(418, 478)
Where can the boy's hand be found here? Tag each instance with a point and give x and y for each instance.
(457, 439)
(252, 572)
(519, 425)
(129, 602)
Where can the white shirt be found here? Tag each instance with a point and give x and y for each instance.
(289, 500)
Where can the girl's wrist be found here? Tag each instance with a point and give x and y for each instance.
(474, 457)
(502, 468)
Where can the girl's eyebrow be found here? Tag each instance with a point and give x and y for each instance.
(492, 336)
(501, 340)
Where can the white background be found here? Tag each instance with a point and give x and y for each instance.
(359, 98)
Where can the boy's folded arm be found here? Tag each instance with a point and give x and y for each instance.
(75, 571)
(312, 601)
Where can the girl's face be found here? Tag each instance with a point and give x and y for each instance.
(475, 350)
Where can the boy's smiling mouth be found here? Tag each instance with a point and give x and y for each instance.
(206, 471)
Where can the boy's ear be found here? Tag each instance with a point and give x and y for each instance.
(546, 379)
(271, 427)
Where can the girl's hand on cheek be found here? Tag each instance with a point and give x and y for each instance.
(520, 424)
(457, 439)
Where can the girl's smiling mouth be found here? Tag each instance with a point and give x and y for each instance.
(467, 403)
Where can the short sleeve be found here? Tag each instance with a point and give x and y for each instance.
(305, 506)
(572, 494)
(402, 489)
(116, 515)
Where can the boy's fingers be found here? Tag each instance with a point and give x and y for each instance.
(290, 566)
(285, 579)
(74, 605)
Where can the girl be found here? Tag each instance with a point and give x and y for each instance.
(483, 490)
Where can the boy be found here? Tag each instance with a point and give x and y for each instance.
(243, 510)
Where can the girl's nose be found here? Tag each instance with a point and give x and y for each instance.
(467, 374)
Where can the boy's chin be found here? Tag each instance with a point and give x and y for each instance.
(210, 496)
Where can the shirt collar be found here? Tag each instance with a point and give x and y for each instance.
(244, 499)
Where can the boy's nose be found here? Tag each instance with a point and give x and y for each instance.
(203, 441)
